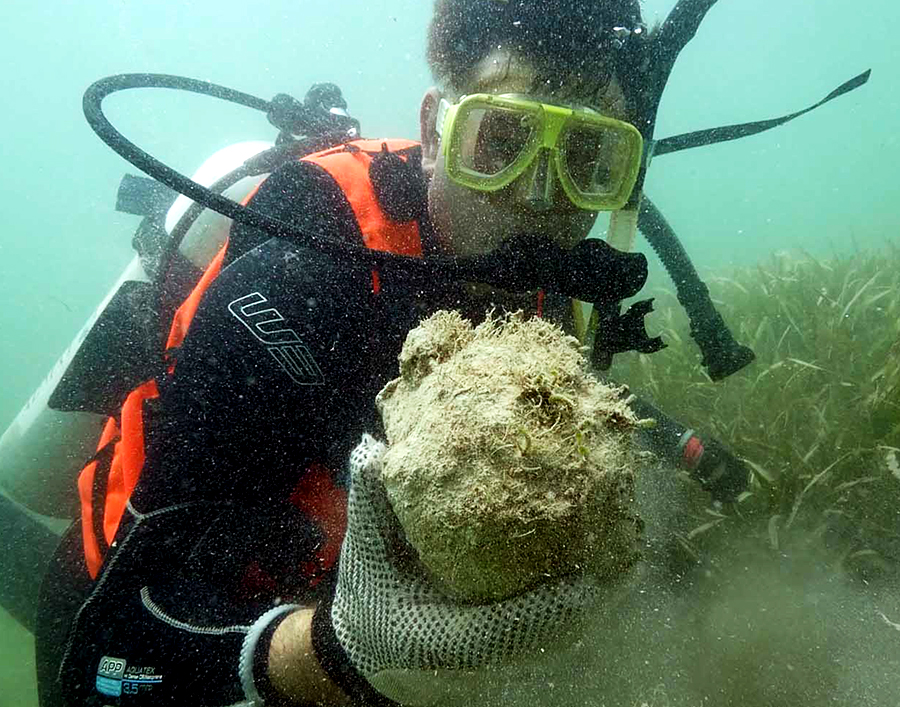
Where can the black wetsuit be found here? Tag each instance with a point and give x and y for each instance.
(279, 369)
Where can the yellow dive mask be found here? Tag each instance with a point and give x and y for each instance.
(490, 140)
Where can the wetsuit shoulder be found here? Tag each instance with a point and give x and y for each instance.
(282, 360)
(303, 195)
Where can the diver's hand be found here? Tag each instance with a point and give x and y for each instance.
(407, 639)
(719, 471)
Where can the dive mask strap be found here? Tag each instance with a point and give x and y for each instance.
(441, 117)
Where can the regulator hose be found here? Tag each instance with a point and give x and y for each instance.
(722, 355)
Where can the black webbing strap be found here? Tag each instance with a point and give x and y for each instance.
(698, 138)
(336, 663)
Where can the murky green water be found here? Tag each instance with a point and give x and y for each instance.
(746, 614)
(17, 686)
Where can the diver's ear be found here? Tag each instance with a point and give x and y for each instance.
(430, 139)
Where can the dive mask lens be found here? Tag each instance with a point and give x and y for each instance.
(490, 140)
(490, 143)
(600, 160)
(498, 137)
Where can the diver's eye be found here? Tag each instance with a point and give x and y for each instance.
(502, 135)
(589, 154)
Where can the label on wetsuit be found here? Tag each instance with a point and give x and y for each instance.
(283, 343)
(116, 678)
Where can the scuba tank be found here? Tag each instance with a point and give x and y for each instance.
(45, 446)
(56, 431)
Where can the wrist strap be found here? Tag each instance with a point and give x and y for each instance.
(336, 663)
(254, 663)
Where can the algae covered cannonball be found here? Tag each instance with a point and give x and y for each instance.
(509, 464)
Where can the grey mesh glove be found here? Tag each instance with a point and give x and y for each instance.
(407, 639)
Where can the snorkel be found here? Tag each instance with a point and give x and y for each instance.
(644, 61)
(623, 223)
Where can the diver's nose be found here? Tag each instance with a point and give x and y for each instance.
(538, 183)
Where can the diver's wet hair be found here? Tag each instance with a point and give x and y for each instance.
(571, 43)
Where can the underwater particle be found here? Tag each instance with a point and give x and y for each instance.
(893, 624)
(508, 462)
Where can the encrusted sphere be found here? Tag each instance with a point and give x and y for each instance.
(509, 464)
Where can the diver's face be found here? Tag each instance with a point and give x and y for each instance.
(470, 222)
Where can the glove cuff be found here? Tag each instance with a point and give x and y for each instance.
(336, 663)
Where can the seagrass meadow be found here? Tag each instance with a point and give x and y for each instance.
(816, 416)
(790, 596)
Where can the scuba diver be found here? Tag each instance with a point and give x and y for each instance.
(214, 562)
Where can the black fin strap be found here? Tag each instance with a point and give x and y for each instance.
(617, 332)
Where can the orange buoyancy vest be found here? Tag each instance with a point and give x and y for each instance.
(107, 481)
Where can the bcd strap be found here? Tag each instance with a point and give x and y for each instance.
(118, 353)
(398, 184)
(103, 459)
